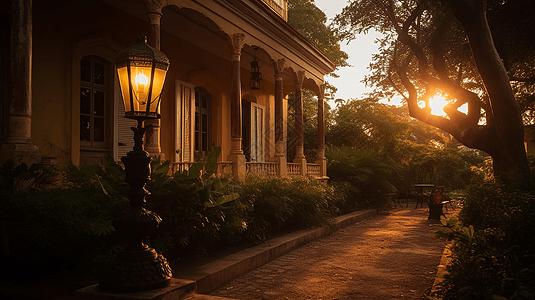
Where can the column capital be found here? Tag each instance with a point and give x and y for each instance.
(154, 17)
(321, 93)
(300, 78)
(156, 6)
(279, 65)
(237, 41)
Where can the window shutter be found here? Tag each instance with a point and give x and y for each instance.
(125, 137)
(257, 133)
(184, 127)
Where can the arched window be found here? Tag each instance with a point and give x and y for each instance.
(203, 120)
(95, 109)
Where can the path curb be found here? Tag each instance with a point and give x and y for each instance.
(442, 269)
(214, 275)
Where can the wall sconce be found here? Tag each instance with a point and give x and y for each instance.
(256, 76)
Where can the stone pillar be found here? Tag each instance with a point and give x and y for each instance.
(236, 153)
(154, 27)
(321, 134)
(280, 145)
(299, 145)
(19, 145)
(152, 135)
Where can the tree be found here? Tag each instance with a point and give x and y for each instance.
(305, 17)
(416, 152)
(425, 51)
(310, 22)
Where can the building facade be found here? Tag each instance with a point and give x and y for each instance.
(59, 85)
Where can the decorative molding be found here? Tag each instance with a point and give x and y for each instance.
(156, 6)
(300, 77)
(279, 65)
(236, 42)
(321, 94)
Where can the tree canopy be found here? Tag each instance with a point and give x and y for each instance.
(305, 17)
(311, 22)
(416, 152)
(447, 47)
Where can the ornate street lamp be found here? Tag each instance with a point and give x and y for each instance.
(141, 70)
(256, 76)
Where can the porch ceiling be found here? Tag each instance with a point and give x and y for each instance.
(218, 19)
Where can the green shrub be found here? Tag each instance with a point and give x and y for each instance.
(285, 203)
(494, 252)
(51, 230)
(365, 172)
(196, 206)
(66, 231)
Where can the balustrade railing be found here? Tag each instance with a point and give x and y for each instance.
(278, 6)
(314, 170)
(255, 168)
(262, 168)
(223, 167)
(294, 169)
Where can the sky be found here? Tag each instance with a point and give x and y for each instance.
(360, 54)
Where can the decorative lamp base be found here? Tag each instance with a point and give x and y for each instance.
(128, 276)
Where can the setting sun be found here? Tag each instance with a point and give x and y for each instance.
(437, 104)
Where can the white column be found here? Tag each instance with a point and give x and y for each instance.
(152, 135)
(19, 144)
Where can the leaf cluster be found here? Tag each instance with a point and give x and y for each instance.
(283, 203)
(510, 21)
(51, 229)
(415, 152)
(367, 174)
(493, 253)
(194, 205)
(310, 22)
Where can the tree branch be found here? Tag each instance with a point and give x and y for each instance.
(519, 79)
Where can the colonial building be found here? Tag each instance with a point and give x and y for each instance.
(58, 83)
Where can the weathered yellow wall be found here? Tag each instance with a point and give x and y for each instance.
(65, 31)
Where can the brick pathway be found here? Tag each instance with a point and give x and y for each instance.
(392, 256)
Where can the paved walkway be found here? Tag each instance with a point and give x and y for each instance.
(392, 256)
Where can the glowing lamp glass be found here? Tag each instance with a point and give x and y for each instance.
(141, 70)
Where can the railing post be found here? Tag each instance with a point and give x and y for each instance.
(303, 168)
(282, 169)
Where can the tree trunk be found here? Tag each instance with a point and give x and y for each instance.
(506, 146)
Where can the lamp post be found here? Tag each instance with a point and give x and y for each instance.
(141, 70)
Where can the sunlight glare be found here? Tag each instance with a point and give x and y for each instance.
(437, 104)
(463, 108)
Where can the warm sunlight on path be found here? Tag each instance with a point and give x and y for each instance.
(387, 257)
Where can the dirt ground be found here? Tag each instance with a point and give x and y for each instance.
(390, 256)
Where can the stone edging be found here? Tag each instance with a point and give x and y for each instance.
(442, 269)
(214, 275)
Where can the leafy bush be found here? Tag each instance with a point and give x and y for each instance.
(285, 203)
(494, 252)
(66, 230)
(53, 229)
(365, 172)
(195, 206)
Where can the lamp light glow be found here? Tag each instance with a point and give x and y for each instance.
(142, 70)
